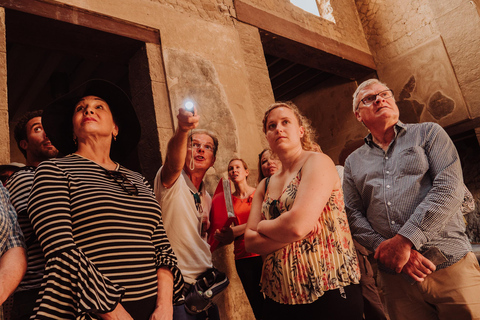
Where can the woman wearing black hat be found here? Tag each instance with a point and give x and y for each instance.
(99, 224)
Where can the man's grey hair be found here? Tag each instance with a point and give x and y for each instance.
(208, 133)
(362, 86)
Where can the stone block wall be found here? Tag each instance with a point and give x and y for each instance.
(427, 41)
(329, 108)
(219, 11)
(346, 29)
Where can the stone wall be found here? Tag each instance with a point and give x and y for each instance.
(329, 108)
(219, 11)
(433, 45)
(346, 29)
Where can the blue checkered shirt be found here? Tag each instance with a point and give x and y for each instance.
(414, 189)
(10, 233)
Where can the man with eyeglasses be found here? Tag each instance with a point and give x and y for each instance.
(36, 147)
(403, 193)
(185, 203)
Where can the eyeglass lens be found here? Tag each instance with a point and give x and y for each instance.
(368, 100)
(196, 145)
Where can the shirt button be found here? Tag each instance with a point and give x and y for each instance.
(386, 158)
(388, 186)
(393, 222)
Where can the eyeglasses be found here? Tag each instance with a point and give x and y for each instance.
(196, 145)
(368, 100)
(123, 182)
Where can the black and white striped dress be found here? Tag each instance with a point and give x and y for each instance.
(100, 242)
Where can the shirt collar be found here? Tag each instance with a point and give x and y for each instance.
(398, 127)
(191, 186)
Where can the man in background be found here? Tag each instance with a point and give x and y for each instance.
(36, 147)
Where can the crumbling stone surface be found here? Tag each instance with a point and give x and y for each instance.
(458, 22)
(220, 11)
(329, 108)
(440, 106)
(393, 27)
(408, 89)
(346, 29)
(410, 109)
(193, 78)
(416, 75)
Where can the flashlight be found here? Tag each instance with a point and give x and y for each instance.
(189, 106)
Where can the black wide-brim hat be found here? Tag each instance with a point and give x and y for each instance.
(57, 118)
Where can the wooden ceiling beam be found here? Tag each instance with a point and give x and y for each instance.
(81, 17)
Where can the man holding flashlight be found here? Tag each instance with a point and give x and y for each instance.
(180, 190)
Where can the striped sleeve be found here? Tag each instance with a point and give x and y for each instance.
(72, 284)
(165, 257)
(19, 186)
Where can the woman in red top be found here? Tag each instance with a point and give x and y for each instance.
(249, 265)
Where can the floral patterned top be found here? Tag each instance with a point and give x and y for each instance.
(302, 271)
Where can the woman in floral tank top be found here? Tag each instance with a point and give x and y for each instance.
(298, 222)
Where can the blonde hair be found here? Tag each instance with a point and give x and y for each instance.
(238, 159)
(309, 134)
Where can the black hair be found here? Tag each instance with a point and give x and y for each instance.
(20, 131)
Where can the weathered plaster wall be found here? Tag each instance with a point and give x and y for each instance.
(347, 28)
(432, 45)
(329, 108)
(458, 22)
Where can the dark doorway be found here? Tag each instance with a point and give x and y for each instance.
(47, 57)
